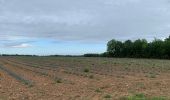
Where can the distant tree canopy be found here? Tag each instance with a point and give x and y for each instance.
(91, 55)
(18, 55)
(139, 48)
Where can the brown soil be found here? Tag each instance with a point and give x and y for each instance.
(61, 84)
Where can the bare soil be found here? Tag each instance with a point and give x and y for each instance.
(65, 79)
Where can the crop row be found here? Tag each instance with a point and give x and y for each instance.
(37, 71)
(16, 76)
(53, 65)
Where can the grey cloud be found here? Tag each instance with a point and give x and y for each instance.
(17, 44)
(84, 20)
(22, 45)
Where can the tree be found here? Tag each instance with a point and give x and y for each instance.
(114, 48)
(139, 48)
(157, 49)
(167, 47)
(127, 48)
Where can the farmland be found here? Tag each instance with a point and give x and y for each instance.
(80, 78)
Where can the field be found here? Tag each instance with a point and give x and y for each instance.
(79, 78)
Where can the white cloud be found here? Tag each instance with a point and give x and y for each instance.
(23, 45)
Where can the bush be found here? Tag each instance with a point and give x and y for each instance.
(58, 80)
(98, 90)
(86, 70)
(108, 96)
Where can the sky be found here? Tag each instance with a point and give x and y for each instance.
(75, 27)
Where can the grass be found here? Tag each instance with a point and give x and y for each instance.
(107, 96)
(86, 70)
(141, 96)
(58, 80)
(91, 76)
(44, 74)
(140, 85)
(98, 90)
(151, 75)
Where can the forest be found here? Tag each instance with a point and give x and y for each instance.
(140, 48)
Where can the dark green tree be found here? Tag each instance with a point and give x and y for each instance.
(115, 48)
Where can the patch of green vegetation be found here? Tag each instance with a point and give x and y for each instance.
(86, 70)
(30, 85)
(104, 62)
(138, 96)
(98, 90)
(127, 68)
(141, 96)
(140, 85)
(107, 96)
(159, 98)
(58, 80)
(115, 63)
(151, 75)
(44, 74)
(91, 76)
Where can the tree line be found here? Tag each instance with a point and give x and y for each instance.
(140, 48)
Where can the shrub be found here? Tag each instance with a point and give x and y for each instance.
(108, 96)
(98, 90)
(86, 70)
(91, 76)
(58, 80)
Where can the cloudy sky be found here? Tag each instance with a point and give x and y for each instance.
(78, 26)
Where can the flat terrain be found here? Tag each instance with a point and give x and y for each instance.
(79, 78)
